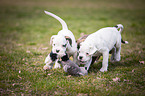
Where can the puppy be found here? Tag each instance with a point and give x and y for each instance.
(100, 43)
(62, 43)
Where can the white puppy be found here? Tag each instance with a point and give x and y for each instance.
(100, 43)
(62, 43)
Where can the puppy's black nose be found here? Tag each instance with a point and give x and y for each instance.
(80, 57)
(57, 51)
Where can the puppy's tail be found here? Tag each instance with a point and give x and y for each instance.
(64, 25)
(120, 27)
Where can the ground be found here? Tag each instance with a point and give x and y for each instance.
(25, 31)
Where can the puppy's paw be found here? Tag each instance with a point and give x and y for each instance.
(112, 60)
(57, 66)
(115, 59)
(118, 59)
(47, 67)
(103, 69)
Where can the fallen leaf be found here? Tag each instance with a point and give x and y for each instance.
(26, 63)
(116, 79)
(141, 62)
(23, 59)
(69, 76)
(19, 77)
(40, 56)
(98, 78)
(82, 94)
(13, 84)
(139, 52)
(126, 80)
(107, 89)
(19, 44)
(133, 70)
(49, 74)
(27, 51)
(57, 93)
(44, 48)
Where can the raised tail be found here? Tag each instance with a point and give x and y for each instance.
(124, 42)
(64, 25)
(120, 27)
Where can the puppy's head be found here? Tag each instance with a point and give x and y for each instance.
(85, 52)
(59, 44)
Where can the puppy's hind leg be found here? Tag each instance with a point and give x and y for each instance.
(118, 50)
(113, 52)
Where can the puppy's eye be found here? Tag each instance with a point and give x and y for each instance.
(64, 45)
(87, 53)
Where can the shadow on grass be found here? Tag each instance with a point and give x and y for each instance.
(113, 65)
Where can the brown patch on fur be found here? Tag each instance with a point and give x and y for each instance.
(81, 39)
(69, 39)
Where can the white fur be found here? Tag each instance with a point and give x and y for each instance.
(100, 43)
(58, 41)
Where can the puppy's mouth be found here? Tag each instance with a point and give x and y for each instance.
(82, 62)
(59, 55)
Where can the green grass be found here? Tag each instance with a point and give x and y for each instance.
(25, 32)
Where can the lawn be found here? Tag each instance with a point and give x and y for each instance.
(25, 31)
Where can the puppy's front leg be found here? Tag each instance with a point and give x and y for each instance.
(105, 61)
(57, 65)
(49, 63)
(88, 64)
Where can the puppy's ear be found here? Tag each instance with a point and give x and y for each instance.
(93, 49)
(69, 40)
(52, 37)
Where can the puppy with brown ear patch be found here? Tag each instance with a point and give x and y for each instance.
(62, 43)
(94, 58)
(101, 43)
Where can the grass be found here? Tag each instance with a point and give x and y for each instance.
(25, 32)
